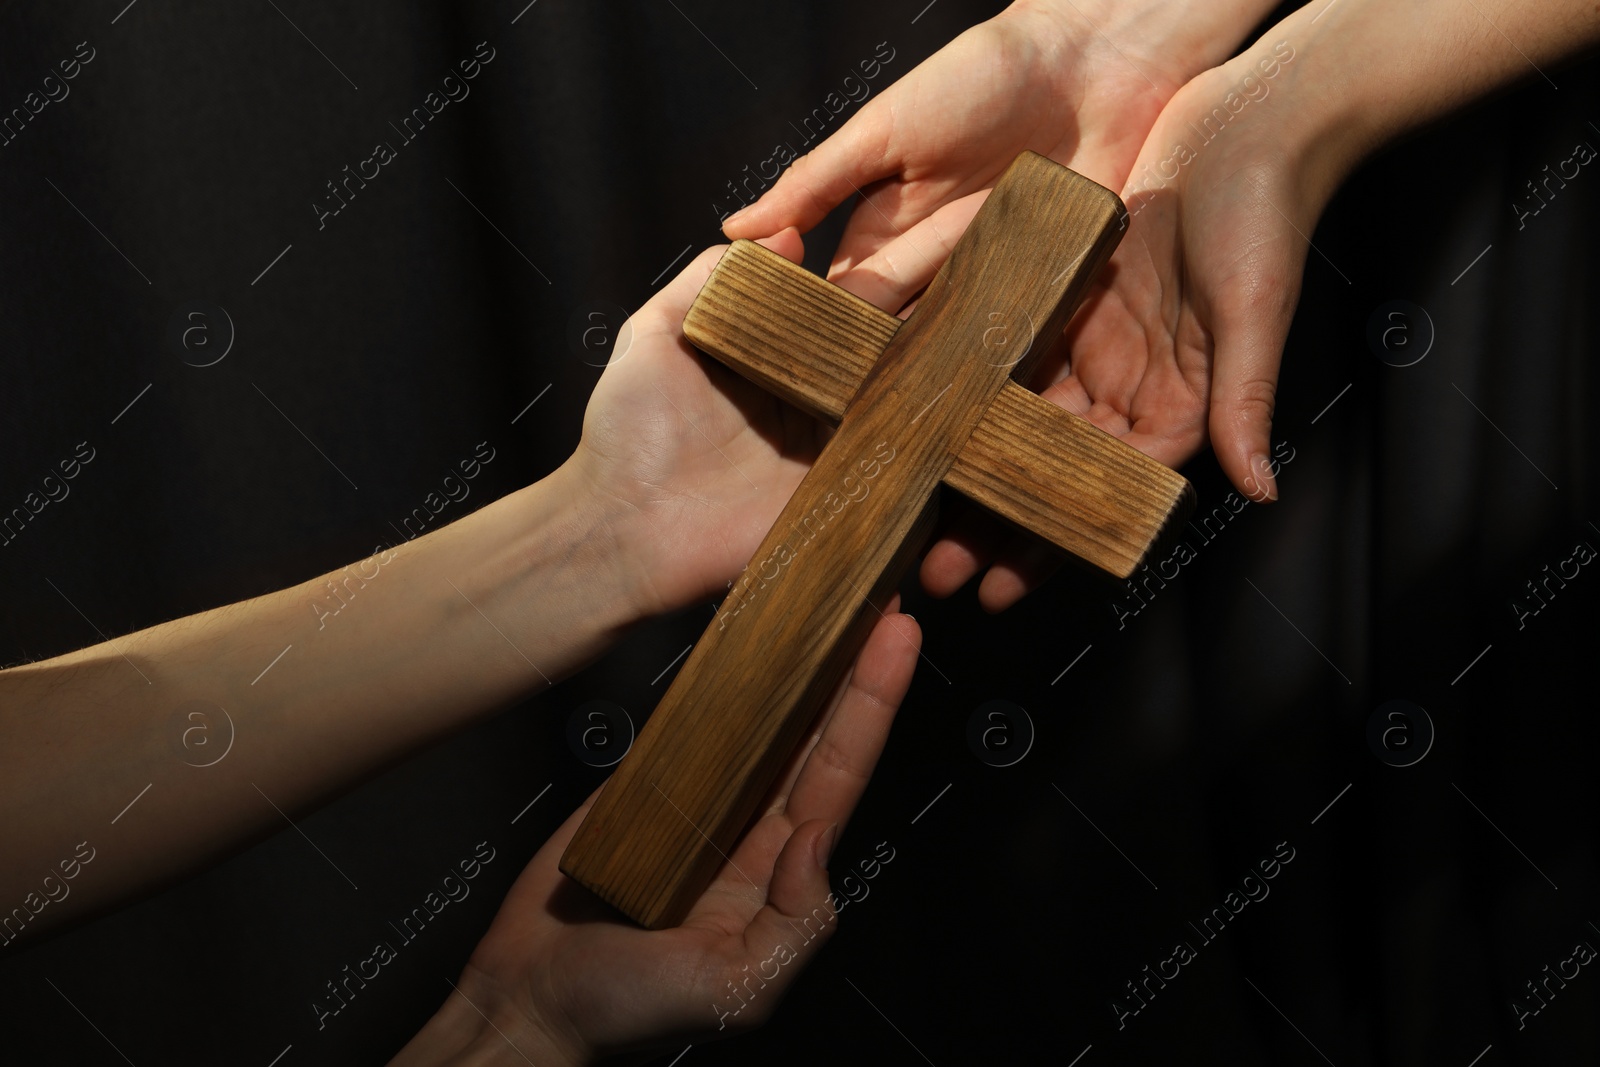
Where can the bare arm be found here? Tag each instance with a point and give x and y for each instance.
(681, 469)
(215, 720)
(1375, 69)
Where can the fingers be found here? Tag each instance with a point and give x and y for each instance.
(787, 243)
(1246, 287)
(821, 180)
(798, 915)
(1017, 564)
(837, 768)
(1026, 566)
(968, 547)
(778, 796)
(905, 264)
(659, 321)
(781, 937)
(799, 880)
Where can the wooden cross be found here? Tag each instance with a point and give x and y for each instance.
(917, 403)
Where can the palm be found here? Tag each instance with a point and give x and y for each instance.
(924, 155)
(598, 985)
(999, 92)
(700, 460)
(926, 151)
(1210, 267)
(1211, 263)
(608, 973)
(1138, 358)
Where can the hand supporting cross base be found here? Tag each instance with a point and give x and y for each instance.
(918, 403)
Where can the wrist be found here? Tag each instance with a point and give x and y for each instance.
(1169, 40)
(1370, 73)
(1316, 127)
(478, 1025)
(515, 596)
(613, 543)
(568, 552)
(1333, 115)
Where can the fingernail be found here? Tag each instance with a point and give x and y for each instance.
(824, 845)
(1262, 466)
(736, 214)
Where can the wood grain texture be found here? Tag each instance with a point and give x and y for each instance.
(787, 330)
(1065, 479)
(1029, 461)
(791, 625)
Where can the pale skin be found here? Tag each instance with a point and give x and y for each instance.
(656, 510)
(1180, 344)
(680, 471)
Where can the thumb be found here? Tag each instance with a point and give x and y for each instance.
(799, 911)
(1249, 331)
(1242, 398)
(821, 180)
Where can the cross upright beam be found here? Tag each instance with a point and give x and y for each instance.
(918, 403)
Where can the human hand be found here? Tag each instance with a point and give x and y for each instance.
(564, 979)
(1182, 340)
(1079, 81)
(1181, 337)
(689, 462)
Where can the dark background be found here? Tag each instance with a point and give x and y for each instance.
(1220, 722)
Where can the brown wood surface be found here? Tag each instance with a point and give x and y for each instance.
(1038, 465)
(793, 622)
(792, 333)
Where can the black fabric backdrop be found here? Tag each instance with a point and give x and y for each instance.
(1177, 752)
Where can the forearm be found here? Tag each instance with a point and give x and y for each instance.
(1184, 37)
(477, 1026)
(269, 705)
(1113, 65)
(1371, 70)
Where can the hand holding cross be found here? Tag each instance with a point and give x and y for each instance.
(918, 403)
